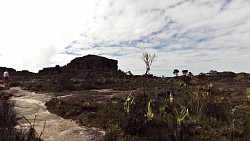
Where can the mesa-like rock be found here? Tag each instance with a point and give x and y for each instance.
(89, 62)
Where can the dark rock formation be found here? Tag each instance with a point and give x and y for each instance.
(221, 74)
(212, 73)
(10, 70)
(227, 74)
(93, 62)
(53, 70)
(24, 73)
(89, 62)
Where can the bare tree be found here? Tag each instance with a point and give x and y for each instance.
(148, 60)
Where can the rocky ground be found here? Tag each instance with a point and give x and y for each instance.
(102, 106)
(89, 97)
(31, 105)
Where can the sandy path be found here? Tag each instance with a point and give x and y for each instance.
(57, 129)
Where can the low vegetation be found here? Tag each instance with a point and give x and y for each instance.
(181, 108)
(177, 111)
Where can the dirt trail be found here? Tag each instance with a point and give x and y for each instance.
(57, 129)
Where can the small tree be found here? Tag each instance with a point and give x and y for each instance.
(184, 72)
(176, 71)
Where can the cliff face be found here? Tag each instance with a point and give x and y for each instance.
(89, 62)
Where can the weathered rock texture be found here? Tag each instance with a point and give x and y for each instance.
(93, 62)
(14, 72)
(53, 70)
(29, 104)
(89, 62)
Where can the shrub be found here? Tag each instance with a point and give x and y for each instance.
(239, 77)
(7, 121)
(111, 134)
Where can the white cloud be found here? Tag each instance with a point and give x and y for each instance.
(184, 34)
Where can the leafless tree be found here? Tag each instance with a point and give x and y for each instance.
(148, 60)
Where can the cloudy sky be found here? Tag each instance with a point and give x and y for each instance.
(198, 35)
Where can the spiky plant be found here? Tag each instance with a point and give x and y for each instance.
(128, 102)
(181, 115)
(248, 92)
(163, 105)
(171, 98)
(210, 85)
(150, 114)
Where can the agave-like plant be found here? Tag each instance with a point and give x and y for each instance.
(248, 92)
(171, 98)
(150, 113)
(128, 102)
(180, 115)
(210, 85)
(163, 105)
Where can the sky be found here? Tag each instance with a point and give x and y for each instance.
(197, 35)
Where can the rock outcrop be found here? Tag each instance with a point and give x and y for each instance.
(10, 70)
(89, 62)
(227, 74)
(24, 73)
(52, 70)
(93, 62)
(221, 74)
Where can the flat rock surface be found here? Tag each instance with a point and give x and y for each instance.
(29, 104)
